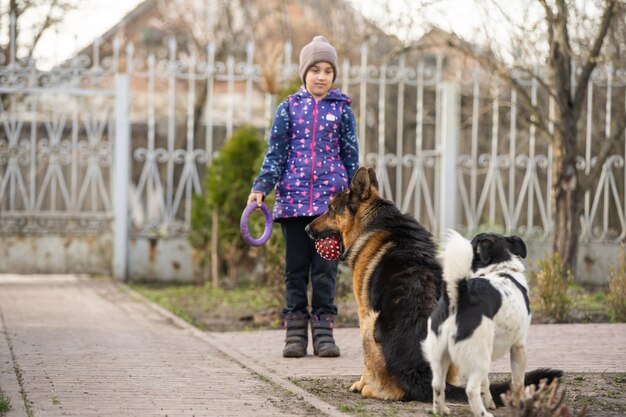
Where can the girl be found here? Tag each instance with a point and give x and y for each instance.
(312, 155)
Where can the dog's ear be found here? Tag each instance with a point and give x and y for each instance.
(373, 180)
(360, 185)
(483, 247)
(516, 246)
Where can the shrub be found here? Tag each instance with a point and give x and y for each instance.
(227, 185)
(617, 288)
(552, 281)
(545, 401)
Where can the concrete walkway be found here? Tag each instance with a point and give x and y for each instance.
(75, 346)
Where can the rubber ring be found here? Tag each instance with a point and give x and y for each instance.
(245, 231)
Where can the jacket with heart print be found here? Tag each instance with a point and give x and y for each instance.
(312, 153)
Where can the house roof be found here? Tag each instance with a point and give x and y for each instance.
(304, 17)
(131, 17)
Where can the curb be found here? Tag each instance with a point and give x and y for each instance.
(314, 401)
(11, 386)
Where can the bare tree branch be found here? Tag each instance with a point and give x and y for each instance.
(52, 12)
(594, 53)
(560, 56)
(45, 25)
(499, 69)
(547, 9)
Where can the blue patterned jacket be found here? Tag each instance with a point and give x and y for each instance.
(312, 153)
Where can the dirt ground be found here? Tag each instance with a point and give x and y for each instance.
(604, 395)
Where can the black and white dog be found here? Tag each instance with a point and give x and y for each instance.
(483, 314)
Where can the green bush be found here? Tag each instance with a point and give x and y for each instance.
(617, 288)
(227, 185)
(551, 282)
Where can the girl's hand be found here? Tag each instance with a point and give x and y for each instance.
(255, 196)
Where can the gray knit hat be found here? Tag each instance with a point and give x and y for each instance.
(319, 50)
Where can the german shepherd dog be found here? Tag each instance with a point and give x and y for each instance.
(397, 282)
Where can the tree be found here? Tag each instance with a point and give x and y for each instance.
(24, 23)
(571, 37)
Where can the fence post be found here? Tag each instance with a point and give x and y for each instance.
(121, 176)
(450, 129)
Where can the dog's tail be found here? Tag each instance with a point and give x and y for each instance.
(455, 393)
(456, 259)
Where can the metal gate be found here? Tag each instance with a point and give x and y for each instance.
(99, 160)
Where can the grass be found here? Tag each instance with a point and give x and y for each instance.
(617, 288)
(237, 309)
(5, 403)
(620, 378)
(200, 305)
(585, 305)
(591, 301)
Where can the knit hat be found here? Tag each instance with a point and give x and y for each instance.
(319, 50)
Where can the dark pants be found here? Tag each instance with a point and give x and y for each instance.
(303, 261)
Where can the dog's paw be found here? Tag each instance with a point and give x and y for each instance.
(357, 386)
(368, 392)
(488, 401)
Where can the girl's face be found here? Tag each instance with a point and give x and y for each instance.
(319, 79)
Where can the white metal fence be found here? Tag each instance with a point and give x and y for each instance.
(451, 146)
(55, 154)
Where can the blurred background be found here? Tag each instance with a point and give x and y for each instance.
(477, 115)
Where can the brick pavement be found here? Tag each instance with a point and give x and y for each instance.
(570, 347)
(86, 347)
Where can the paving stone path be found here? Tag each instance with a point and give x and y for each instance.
(76, 346)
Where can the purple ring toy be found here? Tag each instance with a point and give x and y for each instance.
(243, 225)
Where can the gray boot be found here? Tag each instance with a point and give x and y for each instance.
(323, 342)
(297, 335)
